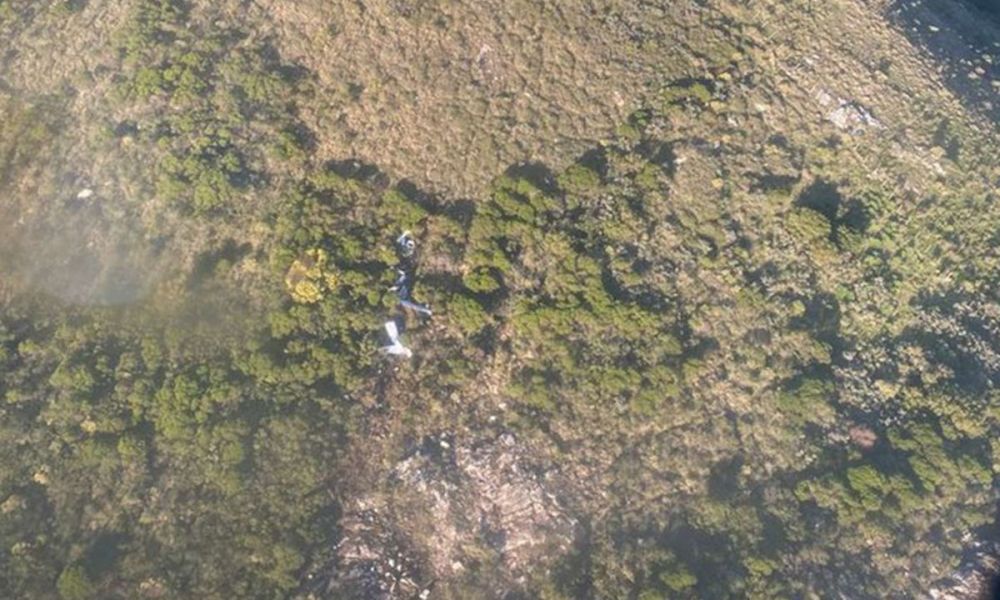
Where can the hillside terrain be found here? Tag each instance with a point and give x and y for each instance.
(715, 296)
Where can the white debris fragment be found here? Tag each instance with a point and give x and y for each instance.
(422, 309)
(852, 117)
(823, 98)
(395, 347)
(406, 244)
(85, 193)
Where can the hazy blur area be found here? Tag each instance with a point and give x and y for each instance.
(80, 252)
(80, 234)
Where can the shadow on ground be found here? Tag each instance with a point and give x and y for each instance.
(963, 36)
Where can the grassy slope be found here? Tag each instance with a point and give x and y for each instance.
(781, 331)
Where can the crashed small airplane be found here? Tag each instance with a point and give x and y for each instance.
(403, 286)
(406, 247)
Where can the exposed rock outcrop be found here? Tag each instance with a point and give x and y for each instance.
(975, 579)
(454, 506)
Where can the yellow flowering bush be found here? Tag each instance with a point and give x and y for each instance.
(309, 278)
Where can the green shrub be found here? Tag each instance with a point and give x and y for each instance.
(678, 579)
(481, 281)
(73, 584)
(467, 314)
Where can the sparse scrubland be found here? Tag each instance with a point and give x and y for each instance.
(715, 293)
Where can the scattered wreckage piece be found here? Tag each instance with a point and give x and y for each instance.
(402, 284)
(406, 244)
(421, 309)
(395, 347)
(402, 289)
(847, 115)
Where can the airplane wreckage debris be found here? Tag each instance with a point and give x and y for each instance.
(395, 347)
(406, 248)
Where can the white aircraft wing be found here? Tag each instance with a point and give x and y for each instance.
(390, 328)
